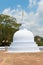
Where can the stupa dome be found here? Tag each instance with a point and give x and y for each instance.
(23, 41)
(23, 35)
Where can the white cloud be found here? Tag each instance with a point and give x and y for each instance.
(40, 6)
(32, 3)
(40, 10)
(6, 11)
(18, 5)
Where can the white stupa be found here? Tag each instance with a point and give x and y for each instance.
(23, 41)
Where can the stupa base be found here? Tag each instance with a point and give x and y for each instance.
(24, 49)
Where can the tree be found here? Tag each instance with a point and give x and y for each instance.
(8, 26)
(38, 40)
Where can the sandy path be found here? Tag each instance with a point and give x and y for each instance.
(21, 59)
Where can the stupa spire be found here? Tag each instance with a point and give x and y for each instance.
(23, 26)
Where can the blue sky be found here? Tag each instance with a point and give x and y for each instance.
(12, 4)
(32, 9)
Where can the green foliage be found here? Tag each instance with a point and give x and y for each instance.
(8, 26)
(38, 40)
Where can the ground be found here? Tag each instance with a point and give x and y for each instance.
(21, 58)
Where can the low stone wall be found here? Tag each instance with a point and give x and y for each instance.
(4, 48)
(41, 48)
